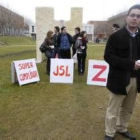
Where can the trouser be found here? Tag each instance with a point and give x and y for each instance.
(120, 109)
(73, 51)
(48, 64)
(56, 51)
(65, 53)
(81, 62)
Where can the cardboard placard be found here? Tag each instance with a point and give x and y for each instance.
(97, 72)
(24, 71)
(62, 71)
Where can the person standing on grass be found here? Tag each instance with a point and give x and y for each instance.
(81, 46)
(64, 42)
(49, 44)
(55, 37)
(77, 34)
(122, 53)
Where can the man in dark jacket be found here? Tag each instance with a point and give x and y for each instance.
(55, 38)
(77, 34)
(64, 42)
(122, 53)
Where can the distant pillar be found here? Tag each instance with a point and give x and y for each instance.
(45, 22)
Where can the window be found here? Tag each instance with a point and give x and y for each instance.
(33, 29)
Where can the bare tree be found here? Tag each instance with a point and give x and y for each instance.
(10, 22)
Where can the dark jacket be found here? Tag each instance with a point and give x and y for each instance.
(49, 51)
(81, 45)
(48, 43)
(74, 40)
(59, 39)
(117, 55)
(55, 38)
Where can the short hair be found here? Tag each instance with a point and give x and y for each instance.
(57, 28)
(115, 25)
(82, 33)
(62, 28)
(77, 28)
(137, 6)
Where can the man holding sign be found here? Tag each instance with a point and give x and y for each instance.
(122, 53)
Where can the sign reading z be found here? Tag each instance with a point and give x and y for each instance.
(102, 69)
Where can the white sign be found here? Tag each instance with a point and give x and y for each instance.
(26, 71)
(13, 73)
(97, 72)
(61, 70)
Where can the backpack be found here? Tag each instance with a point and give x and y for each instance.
(43, 48)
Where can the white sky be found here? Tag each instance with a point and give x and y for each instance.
(92, 9)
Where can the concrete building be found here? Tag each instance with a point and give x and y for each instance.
(11, 23)
(100, 29)
(31, 31)
(119, 19)
(90, 31)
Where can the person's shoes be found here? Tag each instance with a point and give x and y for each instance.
(127, 135)
(108, 138)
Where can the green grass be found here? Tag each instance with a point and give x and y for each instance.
(45, 111)
(12, 40)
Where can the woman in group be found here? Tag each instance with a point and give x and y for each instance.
(81, 45)
(49, 44)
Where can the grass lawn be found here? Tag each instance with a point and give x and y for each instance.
(44, 111)
(12, 40)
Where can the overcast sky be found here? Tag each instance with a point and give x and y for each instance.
(92, 9)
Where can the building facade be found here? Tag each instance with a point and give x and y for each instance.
(118, 19)
(10, 22)
(90, 31)
(101, 29)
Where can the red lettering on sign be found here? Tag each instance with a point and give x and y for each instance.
(67, 74)
(27, 76)
(96, 77)
(61, 71)
(25, 65)
(56, 73)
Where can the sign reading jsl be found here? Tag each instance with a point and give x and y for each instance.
(97, 72)
(61, 71)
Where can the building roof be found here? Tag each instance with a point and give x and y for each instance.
(118, 15)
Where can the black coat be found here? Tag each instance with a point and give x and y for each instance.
(55, 38)
(117, 55)
(74, 40)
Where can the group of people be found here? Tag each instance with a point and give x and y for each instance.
(58, 44)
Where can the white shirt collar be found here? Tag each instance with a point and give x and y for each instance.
(133, 34)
